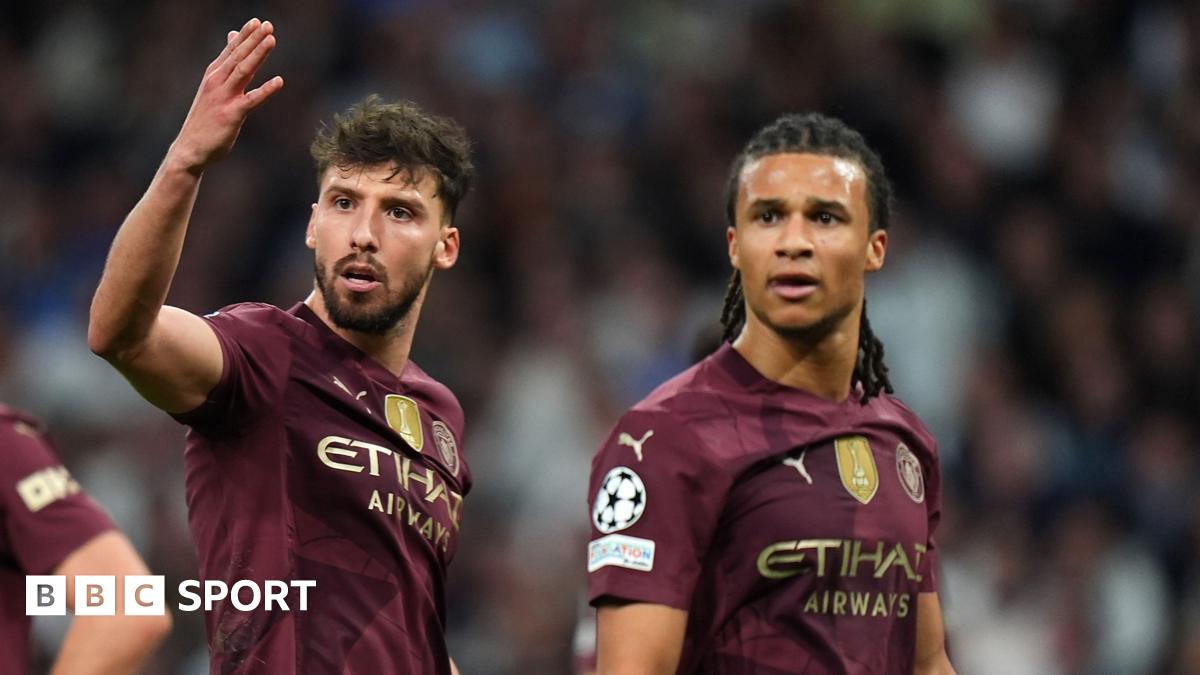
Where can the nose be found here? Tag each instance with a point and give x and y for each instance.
(795, 240)
(362, 235)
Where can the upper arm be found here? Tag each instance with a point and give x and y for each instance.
(656, 498)
(109, 553)
(178, 363)
(639, 637)
(931, 657)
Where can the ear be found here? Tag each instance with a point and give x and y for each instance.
(876, 250)
(445, 252)
(310, 235)
(731, 238)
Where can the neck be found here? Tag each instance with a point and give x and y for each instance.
(391, 349)
(821, 364)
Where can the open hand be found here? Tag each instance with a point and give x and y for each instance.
(222, 102)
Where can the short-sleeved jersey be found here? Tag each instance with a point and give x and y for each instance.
(44, 517)
(797, 532)
(311, 461)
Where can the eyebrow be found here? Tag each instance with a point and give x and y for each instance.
(809, 204)
(412, 203)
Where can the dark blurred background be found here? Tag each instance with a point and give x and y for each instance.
(1038, 306)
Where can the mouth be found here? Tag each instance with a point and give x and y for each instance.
(793, 286)
(359, 278)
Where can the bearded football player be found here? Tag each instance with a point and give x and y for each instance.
(317, 450)
(772, 509)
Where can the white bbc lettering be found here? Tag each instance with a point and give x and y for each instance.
(95, 595)
(145, 595)
(45, 595)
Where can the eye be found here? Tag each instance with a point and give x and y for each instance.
(342, 204)
(400, 213)
(770, 216)
(827, 218)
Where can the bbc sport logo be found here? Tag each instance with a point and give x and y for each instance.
(96, 595)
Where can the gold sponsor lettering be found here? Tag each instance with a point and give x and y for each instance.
(811, 605)
(773, 557)
(897, 557)
(839, 602)
(857, 557)
(435, 489)
(789, 558)
(425, 525)
(903, 606)
(880, 608)
(857, 603)
(325, 449)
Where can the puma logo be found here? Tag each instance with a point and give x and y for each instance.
(798, 464)
(346, 389)
(626, 439)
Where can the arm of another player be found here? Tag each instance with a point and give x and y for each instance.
(932, 658)
(638, 638)
(171, 356)
(107, 644)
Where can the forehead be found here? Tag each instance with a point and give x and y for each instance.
(382, 179)
(801, 176)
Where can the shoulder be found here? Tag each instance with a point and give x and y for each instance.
(694, 394)
(688, 415)
(255, 315)
(440, 398)
(23, 444)
(893, 410)
(16, 425)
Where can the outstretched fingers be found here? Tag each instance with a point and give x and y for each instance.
(233, 71)
(244, 71)
(232, 40)
(258, 96)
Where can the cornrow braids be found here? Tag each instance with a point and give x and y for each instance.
(816, 134)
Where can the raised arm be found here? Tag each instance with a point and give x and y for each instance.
(170, 356)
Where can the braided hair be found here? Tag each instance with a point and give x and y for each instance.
(816, 134)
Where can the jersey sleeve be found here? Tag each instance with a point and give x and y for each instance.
(656, 494)
(255, 352)
(933, 508)
(46, 515)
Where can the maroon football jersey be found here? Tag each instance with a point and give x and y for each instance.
(44, 517)
(310, 460)
(796, 531)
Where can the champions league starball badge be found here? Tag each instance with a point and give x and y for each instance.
(620, 501)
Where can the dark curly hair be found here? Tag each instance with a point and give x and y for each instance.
(410, 139)
(816, 134)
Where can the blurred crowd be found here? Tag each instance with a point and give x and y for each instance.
(1038, 306)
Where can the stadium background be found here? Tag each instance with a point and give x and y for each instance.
(1038, 306)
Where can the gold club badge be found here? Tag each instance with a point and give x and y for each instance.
(404, 418)
(856, 467)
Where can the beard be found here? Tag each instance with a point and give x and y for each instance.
(357, 311)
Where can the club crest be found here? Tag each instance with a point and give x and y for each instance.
(908, 468)
(404, 418)
(446, 445)
(856, 467)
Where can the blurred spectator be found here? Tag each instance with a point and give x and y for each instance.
(1038, 306)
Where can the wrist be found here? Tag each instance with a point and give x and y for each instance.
(180, 160)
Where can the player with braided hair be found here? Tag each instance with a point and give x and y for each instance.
(772, 508)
